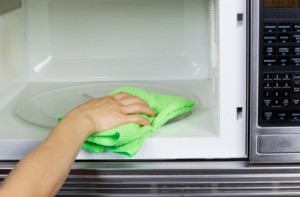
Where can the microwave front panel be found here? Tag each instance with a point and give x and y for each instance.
(275, 81)
(279, 64)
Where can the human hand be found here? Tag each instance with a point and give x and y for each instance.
(108, 112)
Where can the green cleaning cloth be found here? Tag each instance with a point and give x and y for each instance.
(128, 138)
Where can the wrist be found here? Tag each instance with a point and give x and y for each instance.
(77, 124)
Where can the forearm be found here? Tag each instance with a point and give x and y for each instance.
(43, 171)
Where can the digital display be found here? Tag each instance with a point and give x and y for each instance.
(282, 3)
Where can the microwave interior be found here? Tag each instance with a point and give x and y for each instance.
(56, 54)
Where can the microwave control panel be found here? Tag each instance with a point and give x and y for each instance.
(279, 64)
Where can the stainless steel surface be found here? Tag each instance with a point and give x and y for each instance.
(254, 63)
(178, 179)
(279, 143)
(9, 5)
(289, 152)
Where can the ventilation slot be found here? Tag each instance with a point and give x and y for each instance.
(215, 21)
(213, 34)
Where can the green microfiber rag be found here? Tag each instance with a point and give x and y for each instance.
(128, 138)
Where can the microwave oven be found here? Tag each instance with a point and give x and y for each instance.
(238, 62)
(56, 54)
(237, 59)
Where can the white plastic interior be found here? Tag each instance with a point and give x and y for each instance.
(55, 54)
(118, 39)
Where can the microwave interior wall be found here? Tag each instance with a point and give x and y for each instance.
(55, 54)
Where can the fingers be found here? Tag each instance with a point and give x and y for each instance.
(121, 95)
(133, 105)
(138, 119)
(130, 106)
(138, 109)
(132, 100)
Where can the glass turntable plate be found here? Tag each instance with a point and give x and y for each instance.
(44, 109)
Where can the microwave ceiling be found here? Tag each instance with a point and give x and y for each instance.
(7, 6)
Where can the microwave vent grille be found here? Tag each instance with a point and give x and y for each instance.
(7, 6)
(215, 20)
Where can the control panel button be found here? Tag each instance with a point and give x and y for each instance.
(295, 50)
(295, 116)
(277, 94)
(270, 38)
(276, 77)
(269, 50)
(286, 77)
(282, 116)
(268, 115)
(284, 27)
(276, 85)
(283, 61)
(267, 85)
(296, 38)
(271, 27)
(296, 27)
(296, 89)
(296, 101)
(267, 102)
(284, 38)
(295, 61)
(276, 102)
(296, 77)
(283, 50)
(286, 85)
(286, 94)
(267, 77)
(267, 94)
(270, 61)
(286, 102)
